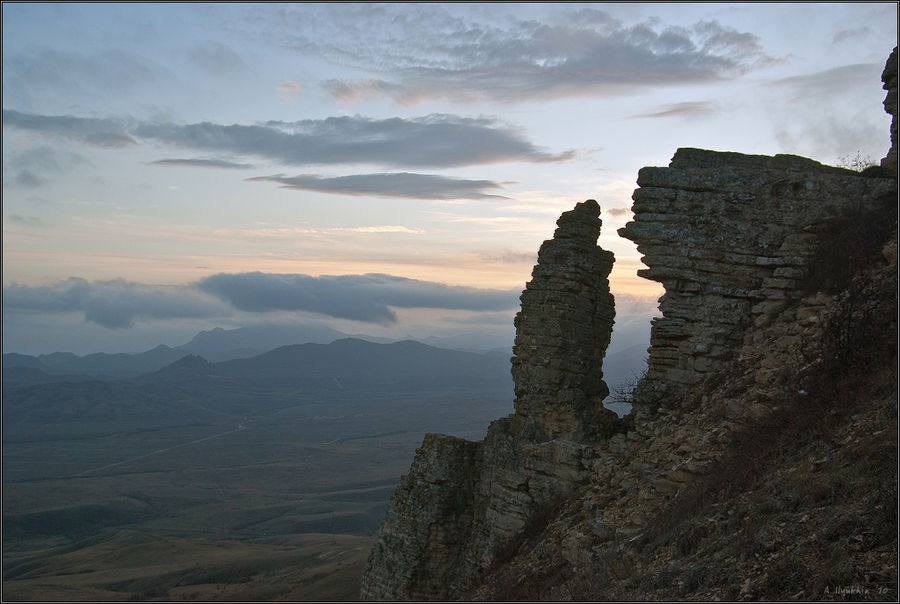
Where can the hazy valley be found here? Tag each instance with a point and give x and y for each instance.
(234, 466)
(264, 476)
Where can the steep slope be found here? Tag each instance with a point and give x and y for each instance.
(760, 460)
(463, 502)
(773, 478)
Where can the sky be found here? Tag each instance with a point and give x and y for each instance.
(387, 169)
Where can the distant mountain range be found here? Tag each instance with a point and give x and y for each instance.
(346, 364)
(309, 353)
(214, 345)
(191, 387)
(226, 344)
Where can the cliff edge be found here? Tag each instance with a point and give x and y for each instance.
(760, 458)
(463, 504)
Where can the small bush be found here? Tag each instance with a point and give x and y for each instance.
(856, 162)
(848, 245)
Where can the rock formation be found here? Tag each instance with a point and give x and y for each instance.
(731, 238)
(780, 276)
(563, 330)
(463, 503)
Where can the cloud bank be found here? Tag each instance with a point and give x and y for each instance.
(510, 60)
(687, 109)
(834, 81)
(113, 304)
(404, 184)
(91, 131)
(118, 304)
(436, 140)
(201, 163)
(356, 297)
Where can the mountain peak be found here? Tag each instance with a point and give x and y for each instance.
(190, 364)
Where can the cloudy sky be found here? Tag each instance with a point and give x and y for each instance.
(388, 169)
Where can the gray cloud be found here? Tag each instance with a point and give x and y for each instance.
(618, 211)
(596, 17)
(113, 304)
(117, 303)
(849, 34)
(92, 131)
(436, 140)
(528, 60)
(833, 81)
(33, 167)
(404, 184)
(356, 297)
(200, 163)
(688, 109)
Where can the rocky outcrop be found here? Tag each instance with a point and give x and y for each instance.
(778, 325)
(463, 504)
(563, 330)
(422, 540)
(728, 491)
(772, 378)
(731, 237)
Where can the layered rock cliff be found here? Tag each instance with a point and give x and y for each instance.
(562, 333)
(760, 458)
(734, 239)
(463, 503)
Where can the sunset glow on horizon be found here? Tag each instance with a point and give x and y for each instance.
(149, 148)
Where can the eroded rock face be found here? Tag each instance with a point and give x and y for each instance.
(463, 503)
(422, 539)
(730, 237)
(758, 255)
(563, 330)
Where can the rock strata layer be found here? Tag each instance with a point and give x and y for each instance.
(463, 504)
(563, 330)
(777, 270)
(731, 238)
(422, 539)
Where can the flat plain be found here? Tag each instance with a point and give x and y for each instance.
(171, 489)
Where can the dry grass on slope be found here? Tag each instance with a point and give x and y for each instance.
(802, 505)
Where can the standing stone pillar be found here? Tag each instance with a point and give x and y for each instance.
(562, 333)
